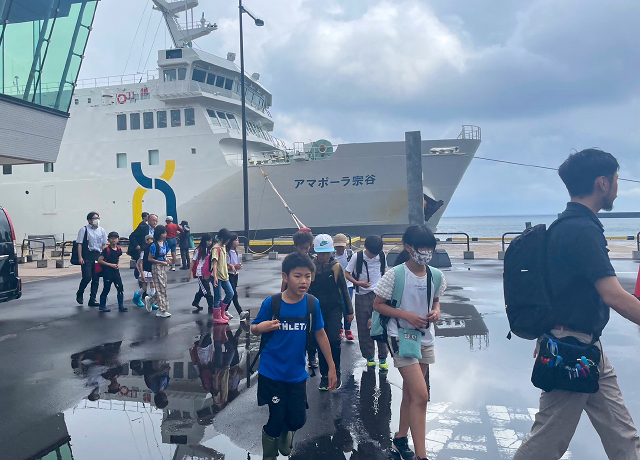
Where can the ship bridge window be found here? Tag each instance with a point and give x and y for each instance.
(48, 167)
(162, 119)
(182, 73)
(121, 160)
(169, 75)
(134, 120)
(223, 120)
(220, 81)
(122, 122)
(175, 118)
(211, 79)
(174, 54)
(154, 157)
(199, 75)
(189, 117)
(147, 120)
(233, 121)
(214, 118)
(228, 84)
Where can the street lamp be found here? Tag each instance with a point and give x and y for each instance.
(245, 160)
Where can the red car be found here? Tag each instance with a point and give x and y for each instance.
(10, 283)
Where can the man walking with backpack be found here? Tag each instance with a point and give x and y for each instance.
(581, 286)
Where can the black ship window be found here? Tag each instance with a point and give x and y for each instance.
(220, 81)
(233, 121)
(214, 118)
(174, 54)
(7, 169)
(223, 120)
(228, 84)
(134, 120)
(147, 120)
(175, 118)
(162, 119)
(48, 167)
(170, 75)
(211, 79)
(122, 122)
(182, 73)
(199, 75)
(189, 117)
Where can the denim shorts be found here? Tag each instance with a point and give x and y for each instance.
(172, 243)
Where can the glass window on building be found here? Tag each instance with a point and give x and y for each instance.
(233, 121)
(175, 118)
(228, 84)
(182, 73)
(7, 169)
(220, 81)
(162, 118)
(48, 167)
(147, 120)
(214, 118)
(154, 157)
(189, 117)
(134, 120)
(121, 160)
(174, 54)
(41, 49)
(122, 122)
(199, 75)
(211, 79)
(223, 120)
(169, 75)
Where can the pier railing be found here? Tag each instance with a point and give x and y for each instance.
(638, 241)
(391, 237)
(27, 242)
(504, 242)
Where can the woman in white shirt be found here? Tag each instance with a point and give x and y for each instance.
(233, 263)
(204, 284)
(416, 314)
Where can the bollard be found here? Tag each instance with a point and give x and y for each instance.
(247, 257)
(30, 258)
(440, 259)
(468, 255)
(42, 263)
(62, 263)
(55, 254)
(501, 255)
(22, 260)
(273, 255)
(635, 255)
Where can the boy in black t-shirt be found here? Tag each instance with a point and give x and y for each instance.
(108, 260)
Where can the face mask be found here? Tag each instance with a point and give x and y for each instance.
(95, 222)
(421, 258)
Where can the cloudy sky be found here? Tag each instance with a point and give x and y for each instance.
(540, 78)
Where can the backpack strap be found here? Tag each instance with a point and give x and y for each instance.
(349, 254)
(311, 315)
(398, 286)
(336, 271)
(359, 263)
(276, 303)
(437, 280)
(383, 263)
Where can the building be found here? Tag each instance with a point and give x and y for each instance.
(42, 45)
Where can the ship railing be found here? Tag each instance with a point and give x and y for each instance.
(638, 241)
(397, 237)
(128, 79)
(470, 132)
(505, 242)
(26, 244)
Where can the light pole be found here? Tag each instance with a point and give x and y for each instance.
(245, 159)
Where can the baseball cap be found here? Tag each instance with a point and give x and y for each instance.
(323, 243)
(340, 240)
(169, 219)
(113, 235)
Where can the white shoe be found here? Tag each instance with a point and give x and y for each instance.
(229, 315)
(163, 314)
(244, 315)
(147, 303)
(173, 268)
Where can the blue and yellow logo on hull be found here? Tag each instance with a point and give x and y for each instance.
(147, 183)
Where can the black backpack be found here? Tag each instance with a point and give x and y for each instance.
(527, 293)
(276, 303)
(360, 263)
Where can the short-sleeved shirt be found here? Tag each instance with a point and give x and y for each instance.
(200, 262)
(96, 237)
(414, 299)
(283, 357)
(162, 255)
(110, 256)
(344, 261)
(370, 271)
(219, 253)
(578, 257)
(233, 257)
(172, 230)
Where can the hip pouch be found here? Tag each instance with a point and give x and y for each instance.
(409, 343)
(566, 364)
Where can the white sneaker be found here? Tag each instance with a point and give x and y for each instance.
(244, 315)
(147, 303)
(163, 314)
(229, 315)
(173, 268)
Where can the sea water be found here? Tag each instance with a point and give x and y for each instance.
(495, 226)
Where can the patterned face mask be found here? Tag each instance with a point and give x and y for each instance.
(422, 258)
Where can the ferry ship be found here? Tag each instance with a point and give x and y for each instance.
(170, 142)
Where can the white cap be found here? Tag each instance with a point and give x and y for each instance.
(323, 243)
(169, 219)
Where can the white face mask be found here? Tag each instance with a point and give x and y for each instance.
(95, 223)
(421, 258)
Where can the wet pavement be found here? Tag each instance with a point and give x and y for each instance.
(83, 385)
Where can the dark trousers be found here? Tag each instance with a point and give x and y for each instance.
(364, 310)
(89, 274)
(184, 255)
(233, 279)
(204, 290)
(112, 277)
(332, 325)
(287, 405)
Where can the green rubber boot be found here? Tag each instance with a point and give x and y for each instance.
(285, 443)
(269, 447)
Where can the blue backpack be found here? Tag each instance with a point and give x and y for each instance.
(379, 322)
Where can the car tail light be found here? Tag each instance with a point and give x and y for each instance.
(13, 232)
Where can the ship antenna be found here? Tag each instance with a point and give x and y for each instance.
(182, 37)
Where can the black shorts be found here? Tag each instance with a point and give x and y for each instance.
(289, 394)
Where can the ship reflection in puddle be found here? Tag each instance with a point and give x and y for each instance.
(132, 399)
(459, 319)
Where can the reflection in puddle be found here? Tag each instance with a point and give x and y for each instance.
(460, 318)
